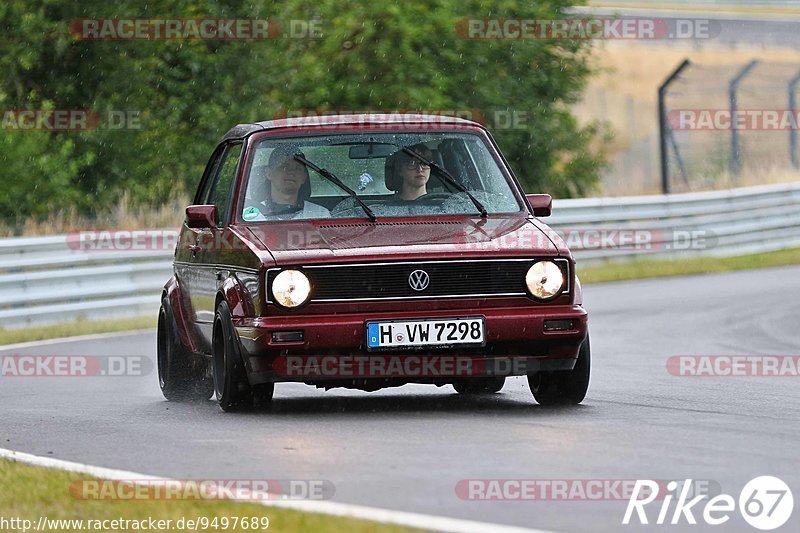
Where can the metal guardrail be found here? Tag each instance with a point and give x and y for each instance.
(706, 3)
(44, 280)
(717, 223)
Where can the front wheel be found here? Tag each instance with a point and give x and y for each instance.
(564, 387)
(231, 388)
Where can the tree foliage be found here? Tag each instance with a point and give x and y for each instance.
(187, 93)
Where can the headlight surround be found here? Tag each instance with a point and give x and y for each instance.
(291, 288)
(545, 280)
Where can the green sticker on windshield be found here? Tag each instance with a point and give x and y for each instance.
(251, 213)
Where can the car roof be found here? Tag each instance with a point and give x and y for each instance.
(241, 131)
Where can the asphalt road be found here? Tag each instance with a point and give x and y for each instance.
(407, 448)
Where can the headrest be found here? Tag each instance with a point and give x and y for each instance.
(390, 178)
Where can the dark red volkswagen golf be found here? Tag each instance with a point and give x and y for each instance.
(368, 251)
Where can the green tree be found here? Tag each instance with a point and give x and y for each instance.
(410, 56)
(370, 56)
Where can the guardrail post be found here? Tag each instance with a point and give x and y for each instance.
(793, 129)
(664, 125)
(733, 86)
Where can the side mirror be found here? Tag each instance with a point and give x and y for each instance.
(542, 204)
(201, 216)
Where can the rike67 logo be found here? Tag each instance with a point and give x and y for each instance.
(766, 503)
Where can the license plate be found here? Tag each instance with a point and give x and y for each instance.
(432, 332)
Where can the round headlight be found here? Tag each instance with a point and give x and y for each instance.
(544, 280)
(291, 288)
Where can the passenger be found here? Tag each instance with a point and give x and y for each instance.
(407, 175)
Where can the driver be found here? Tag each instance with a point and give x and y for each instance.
(289, 189)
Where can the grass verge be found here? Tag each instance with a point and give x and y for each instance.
(30, 492)
(71, 329)
(652, 268)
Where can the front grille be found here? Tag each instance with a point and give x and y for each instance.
(391, 280)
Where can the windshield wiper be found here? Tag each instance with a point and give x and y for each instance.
(330, 176)
(448, 178)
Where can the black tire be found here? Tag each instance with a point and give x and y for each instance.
(182, 375)
(480, 385)
(262, 395)
(564, 387)
(231, 388)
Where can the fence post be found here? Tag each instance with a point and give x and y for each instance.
(793, 129)
(663, 124)
(733, 86)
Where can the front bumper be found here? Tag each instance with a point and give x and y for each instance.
(333, 346)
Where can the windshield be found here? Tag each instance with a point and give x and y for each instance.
(291, 178)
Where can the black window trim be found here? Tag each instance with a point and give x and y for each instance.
(208, 173)
(234, 182)
(213, 169)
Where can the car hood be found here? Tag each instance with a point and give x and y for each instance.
(328, 241)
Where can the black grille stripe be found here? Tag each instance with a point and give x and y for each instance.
(390, 280)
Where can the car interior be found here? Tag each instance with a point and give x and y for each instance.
(450, 154)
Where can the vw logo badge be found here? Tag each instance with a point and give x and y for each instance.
(419, 280)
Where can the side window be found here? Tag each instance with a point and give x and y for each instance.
(220, 191)
(208, 176)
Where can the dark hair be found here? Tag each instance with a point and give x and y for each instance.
(420, 148)
(391, 176)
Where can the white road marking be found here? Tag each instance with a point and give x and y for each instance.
(373, 514)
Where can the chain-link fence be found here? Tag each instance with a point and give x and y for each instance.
(728, 125)
(722, 126)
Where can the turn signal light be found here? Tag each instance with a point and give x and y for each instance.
(287, 336)
(559, 325)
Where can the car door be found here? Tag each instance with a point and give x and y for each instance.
(211, 240)
(187, 253)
